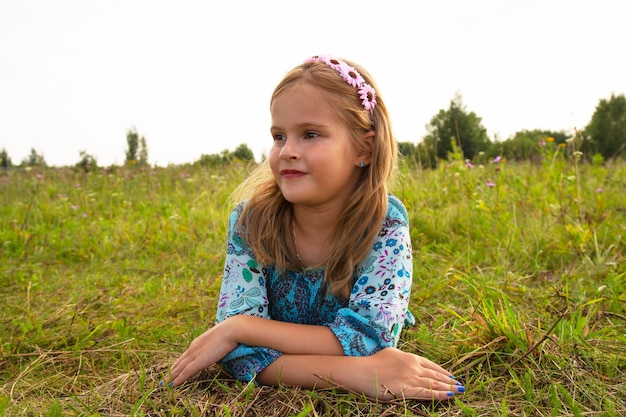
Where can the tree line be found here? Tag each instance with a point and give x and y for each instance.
(454, 132)
(457, 132)
(136, 156)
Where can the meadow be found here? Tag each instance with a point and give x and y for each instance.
(520, 290)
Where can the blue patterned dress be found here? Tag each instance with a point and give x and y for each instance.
(370, 320)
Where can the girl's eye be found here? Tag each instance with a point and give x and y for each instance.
(279, 136)
(311, 135)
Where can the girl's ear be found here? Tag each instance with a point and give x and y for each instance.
(365, 156)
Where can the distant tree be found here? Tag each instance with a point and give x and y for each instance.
(211, 160)
(243, 153)
(426, 155)
(34, 160)
(527, 145)
(87, 162)
(226, 157)
(143, 152)
(407, 150)
(5, 161)
(132, 141)
(606, 132)
(137, 150)
(456, 125)
(415, 154)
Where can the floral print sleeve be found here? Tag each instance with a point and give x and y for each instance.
(243, 291)
(378, 306)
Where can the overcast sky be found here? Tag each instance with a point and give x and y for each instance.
(195, 77)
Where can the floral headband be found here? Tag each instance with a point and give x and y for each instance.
(366, 92)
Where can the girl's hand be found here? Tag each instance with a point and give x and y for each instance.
(398, 374)
(204, 351)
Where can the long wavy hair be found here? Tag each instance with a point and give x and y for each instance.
(267, 218)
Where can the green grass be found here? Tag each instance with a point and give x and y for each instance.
(520, 290)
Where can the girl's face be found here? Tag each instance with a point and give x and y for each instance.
(312, 159)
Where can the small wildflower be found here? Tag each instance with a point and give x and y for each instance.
(490, 184)
(577, 156)
(599, 190)
(550, 139)
(74, 207)
(497, 159)
(39, 176)
(468, 164)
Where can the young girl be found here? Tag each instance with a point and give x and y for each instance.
(318, 268)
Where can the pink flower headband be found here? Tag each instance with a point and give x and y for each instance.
(366, 92)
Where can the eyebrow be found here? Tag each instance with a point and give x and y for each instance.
(302, 126)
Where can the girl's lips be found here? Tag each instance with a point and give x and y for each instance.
(291, 173)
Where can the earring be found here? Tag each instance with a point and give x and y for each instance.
(361, 164)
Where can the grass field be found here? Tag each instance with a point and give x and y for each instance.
(520, 290)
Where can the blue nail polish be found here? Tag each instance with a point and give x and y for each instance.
(461, 389)
(452, 376)
(160, 383)
(171, 384)
(450, 394)
(458, 384)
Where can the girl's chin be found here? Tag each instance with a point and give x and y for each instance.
(292, 197)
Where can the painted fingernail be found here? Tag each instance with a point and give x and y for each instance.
(160, 383)
(171, 384)
(452, 376)
(450, 394)
(458, 384)
(461, 389)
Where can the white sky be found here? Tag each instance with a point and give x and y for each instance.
(195, 77)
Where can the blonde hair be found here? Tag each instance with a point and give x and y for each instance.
(266, 220)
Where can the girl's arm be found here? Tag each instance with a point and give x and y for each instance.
(214, 344)
(285, 337)
(314, 359)
(385, 375)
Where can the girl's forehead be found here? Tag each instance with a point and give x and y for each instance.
(302, 92)
(303, 105)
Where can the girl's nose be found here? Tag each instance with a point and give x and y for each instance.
(289, 150)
